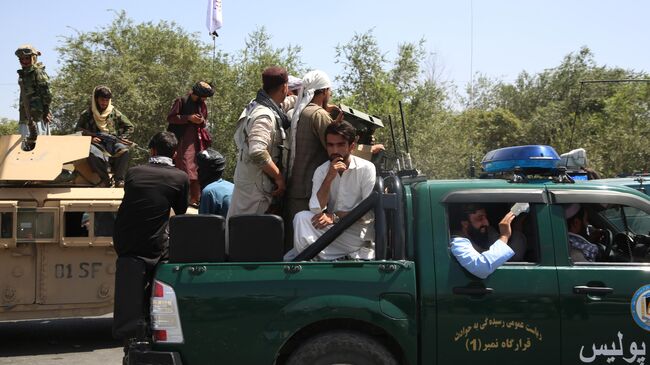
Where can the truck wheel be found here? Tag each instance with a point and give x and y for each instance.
(341, 347)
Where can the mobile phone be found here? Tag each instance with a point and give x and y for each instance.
(519, 208)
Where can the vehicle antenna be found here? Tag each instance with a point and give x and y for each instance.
(407, 161)
(392, 135)
(575, 118)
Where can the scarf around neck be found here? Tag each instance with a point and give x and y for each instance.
(312, 81)
(263, 98)
(161, 160)
(101, 118)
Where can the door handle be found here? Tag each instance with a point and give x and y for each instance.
(597, 290)
(464, 290)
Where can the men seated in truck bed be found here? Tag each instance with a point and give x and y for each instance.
(339, 185)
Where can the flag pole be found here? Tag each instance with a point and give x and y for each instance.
(213, 77)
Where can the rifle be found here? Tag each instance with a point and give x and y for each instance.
(113, 138)
(30, 140)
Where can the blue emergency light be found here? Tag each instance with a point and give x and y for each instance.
(533, 158)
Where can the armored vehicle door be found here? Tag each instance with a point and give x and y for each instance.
(17, 261)
(605, 303)
(512, 316)
(80, 267)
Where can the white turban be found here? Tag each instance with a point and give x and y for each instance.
(295, 83)
(312, 81)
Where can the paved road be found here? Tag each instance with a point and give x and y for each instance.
(84, 341)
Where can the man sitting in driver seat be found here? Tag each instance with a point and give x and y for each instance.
(580, 248)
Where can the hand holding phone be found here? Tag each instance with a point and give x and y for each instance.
(519, 208)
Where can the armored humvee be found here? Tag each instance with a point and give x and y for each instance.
(56, 227)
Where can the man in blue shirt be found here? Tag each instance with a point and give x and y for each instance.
(472, 246)
(216, 192)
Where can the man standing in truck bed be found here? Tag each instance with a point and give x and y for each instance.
(260, 136)
(141, 229)
(339, 185)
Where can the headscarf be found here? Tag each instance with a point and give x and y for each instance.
(295, 83)
(101, 118)
(312, 81)
(203, 89)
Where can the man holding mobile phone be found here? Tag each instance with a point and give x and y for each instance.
(473, 247)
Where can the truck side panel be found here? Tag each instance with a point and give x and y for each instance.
(264, 305)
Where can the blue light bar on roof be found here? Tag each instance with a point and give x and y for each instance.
(528, 158)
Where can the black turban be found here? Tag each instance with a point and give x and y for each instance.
(202, 89)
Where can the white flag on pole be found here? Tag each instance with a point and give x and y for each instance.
(215, 18)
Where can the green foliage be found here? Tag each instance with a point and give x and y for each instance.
(148, 65)
(238, 82)
(8, 126)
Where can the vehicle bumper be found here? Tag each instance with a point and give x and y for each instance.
(148, 357)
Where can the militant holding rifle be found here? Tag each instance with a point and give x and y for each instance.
(113, 138)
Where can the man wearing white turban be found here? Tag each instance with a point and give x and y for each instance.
(308, 123)
(295, 84)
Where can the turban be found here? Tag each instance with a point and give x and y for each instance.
(202, 89)
(571, 210)
(295, 83)
(312, 81)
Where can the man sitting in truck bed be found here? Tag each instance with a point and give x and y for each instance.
(473, 246)
(339, 185)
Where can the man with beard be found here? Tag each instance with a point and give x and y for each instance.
(339, 185)
(188, 119)
(473, 247)
(260, 137)
(580, 248)
(310, 118)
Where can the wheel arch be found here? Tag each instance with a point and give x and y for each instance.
(337, 324)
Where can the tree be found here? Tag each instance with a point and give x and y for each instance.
(146, 66)
(367, 83)
(238, 82)
(8, 126)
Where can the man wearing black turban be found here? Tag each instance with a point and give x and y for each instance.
(188, 119)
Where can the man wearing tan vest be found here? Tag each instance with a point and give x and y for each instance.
(260, 137)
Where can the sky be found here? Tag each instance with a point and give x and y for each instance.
(497, 38)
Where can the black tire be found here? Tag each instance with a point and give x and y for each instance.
(341, 347)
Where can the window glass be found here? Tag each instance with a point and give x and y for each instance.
(637, 220)
(620, 233)
(35, 225)
(6, 224)
(76, 224)
(104, 224)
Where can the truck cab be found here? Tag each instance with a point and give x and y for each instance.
(414, 303)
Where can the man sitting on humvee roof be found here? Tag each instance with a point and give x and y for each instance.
(109, 130)
(339, 185)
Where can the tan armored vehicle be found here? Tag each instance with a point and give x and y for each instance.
(56, 246)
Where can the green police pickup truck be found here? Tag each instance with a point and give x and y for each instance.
(413, 304)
